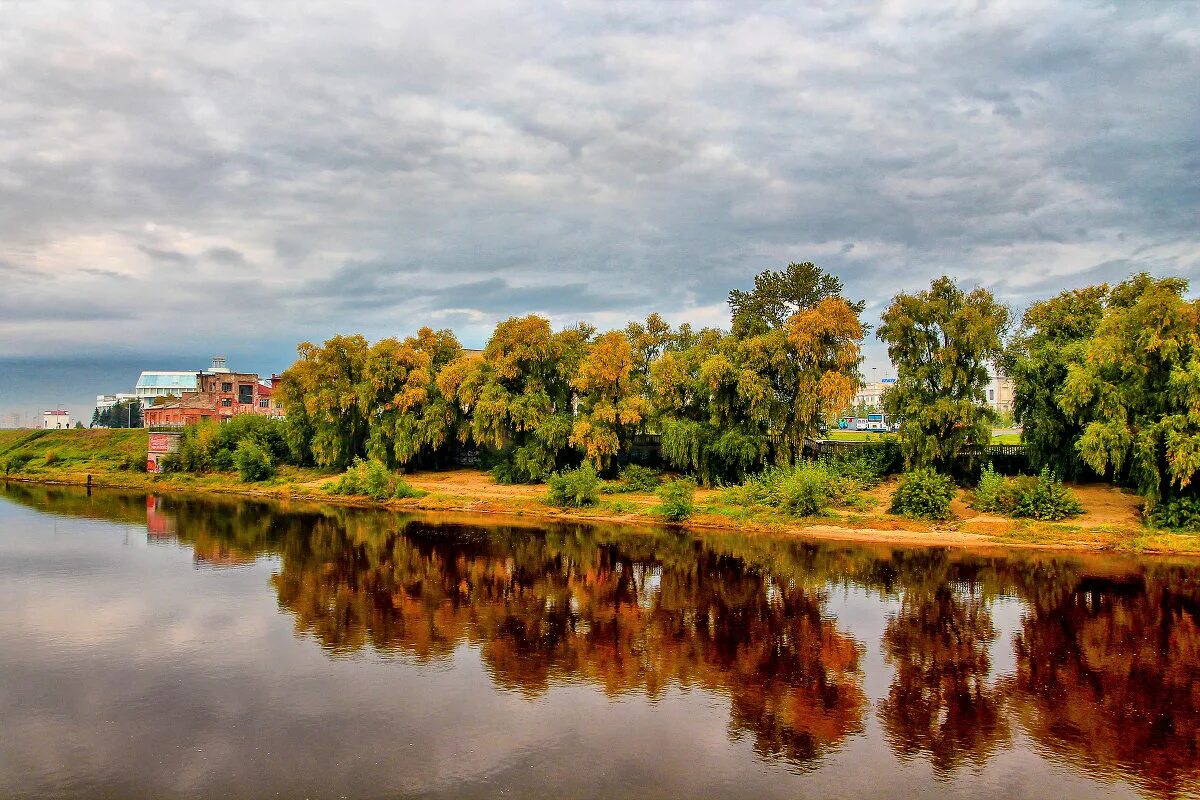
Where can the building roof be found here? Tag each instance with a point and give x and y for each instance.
(184, 381)
(57, 413)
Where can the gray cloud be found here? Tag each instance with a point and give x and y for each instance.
(258, 176)
(226, 256)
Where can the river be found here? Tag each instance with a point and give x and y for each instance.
(180, 647)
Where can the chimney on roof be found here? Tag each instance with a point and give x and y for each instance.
(275, 379)
(218, 365)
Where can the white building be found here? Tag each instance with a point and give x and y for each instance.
(56, 420)
(870, 395)
(152, 385)
(106, 401)
(999, 393)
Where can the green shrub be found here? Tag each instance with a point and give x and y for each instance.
(1046, 499)
(924, 493)
(221, 460)
(636, 478)
(170, 463)
(620, 507)
(51, 458)
(1180, 513)
(192, 455)
(16, 462)
(1043, 498)
(757, 490)
(211, 445)
(375, 480)
(992, 494)
(678, 499)
(132, 463)
(404, 489)
(806, 489)
(253, 463)
(574, 488)
(370, 478)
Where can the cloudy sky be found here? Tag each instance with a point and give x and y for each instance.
(178, 181)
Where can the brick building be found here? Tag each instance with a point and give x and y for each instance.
(177, 413)
(235, 393)
(220, 395)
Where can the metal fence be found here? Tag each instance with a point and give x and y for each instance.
(1008, 459)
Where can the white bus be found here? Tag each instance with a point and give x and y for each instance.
(876, 423)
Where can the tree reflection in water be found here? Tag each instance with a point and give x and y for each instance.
(560, 609)
(1107, 674)
(941, 702)
(1109, 678)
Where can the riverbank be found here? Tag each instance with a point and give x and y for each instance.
(1111, 521)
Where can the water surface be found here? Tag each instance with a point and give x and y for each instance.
(190, 647)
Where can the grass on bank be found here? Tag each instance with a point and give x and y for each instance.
(30, 453)
(858, 436)
(117, 457)
(868, 436)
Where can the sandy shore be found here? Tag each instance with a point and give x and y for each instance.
(1111, 521)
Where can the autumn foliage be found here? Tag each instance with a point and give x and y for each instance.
(537, 401)
(1107, 383)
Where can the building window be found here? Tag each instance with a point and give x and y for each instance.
(245, 393)
(264, 403)
(226, 402)
(226, 387)
(991, 395)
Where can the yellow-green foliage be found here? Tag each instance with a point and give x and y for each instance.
(942, 342)
(1138, 390)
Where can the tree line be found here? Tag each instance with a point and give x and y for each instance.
(124, 414)
(1107, 384)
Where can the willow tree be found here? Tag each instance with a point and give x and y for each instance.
(941, 342)
(1138, 391)
(791, 329)
(1054, 334)
(729, 404)
(651, 339)
(321, 396)
(410, 421)
(609, 404)
(825, 342)
(703, 398)
(519, 395)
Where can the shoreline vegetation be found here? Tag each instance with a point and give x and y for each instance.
(714, 428)
(1110, 521)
